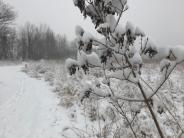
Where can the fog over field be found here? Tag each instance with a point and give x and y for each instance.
(153, 16)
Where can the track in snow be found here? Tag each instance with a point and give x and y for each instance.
(28, 108)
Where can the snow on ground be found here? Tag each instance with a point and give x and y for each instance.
(28, 108)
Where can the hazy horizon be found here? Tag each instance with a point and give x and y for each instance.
(162, 20)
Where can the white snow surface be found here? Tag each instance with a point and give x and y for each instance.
(91, 59)
(28, 108)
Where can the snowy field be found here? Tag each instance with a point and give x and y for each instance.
(28, 108)
(38, 100)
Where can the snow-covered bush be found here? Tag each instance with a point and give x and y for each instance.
(119, 56)
(32, 70)
(35, 70)
(49, 76)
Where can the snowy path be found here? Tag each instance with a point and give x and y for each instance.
(28, 108)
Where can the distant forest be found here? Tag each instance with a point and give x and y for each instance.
(30, 41)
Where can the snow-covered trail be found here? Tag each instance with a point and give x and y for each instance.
(28, 108)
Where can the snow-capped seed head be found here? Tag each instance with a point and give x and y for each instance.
(87, 37)
(103, 28)
(90, 59)
(130, 26)
(178, 53)
(79, 30)
(120, 30)
(71, 65)
(150, 48)
(86, 90)
(93, 59)
(69, 62)
(139, 32)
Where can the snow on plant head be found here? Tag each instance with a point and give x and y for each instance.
(119, 55)
(71, 65)
(79, 30)
(93, 59)
(84, 40)
(87, 37)
(88, 59)
(88, 88)
(139, 32)
(120, 31)
(149, 48)
(130, 27)
(104, 29)
(178, 53)
(117, 51)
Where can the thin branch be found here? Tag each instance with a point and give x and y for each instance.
(165, 106)
(162, 83)
(119, 15)
(129, 123)
(151, 111)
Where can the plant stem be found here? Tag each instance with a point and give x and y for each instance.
(151, 111)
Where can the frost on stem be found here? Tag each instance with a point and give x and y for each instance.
(119, 56)
(164, 65)
(167, 65)
(117, 51)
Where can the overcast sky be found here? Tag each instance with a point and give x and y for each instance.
(163, 20)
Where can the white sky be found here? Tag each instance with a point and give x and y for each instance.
(163, 20)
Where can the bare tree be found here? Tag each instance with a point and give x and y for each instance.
(7, 16)
(40, 42)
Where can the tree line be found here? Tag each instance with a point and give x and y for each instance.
(29, 41)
